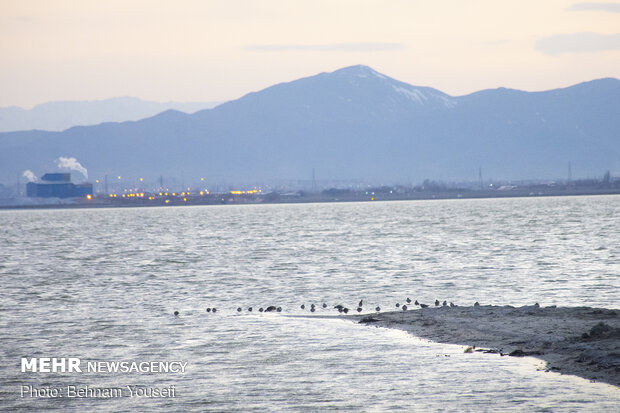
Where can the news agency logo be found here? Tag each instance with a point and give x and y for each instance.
(51, 365)
(76, 365)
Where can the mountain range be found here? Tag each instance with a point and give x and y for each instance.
(58, 116)
(350, 124)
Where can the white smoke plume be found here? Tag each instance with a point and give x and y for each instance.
(72, 164)
(29, 175)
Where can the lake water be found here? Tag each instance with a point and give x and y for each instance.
(103, 284)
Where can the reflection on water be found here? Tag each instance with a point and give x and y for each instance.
(102, 285)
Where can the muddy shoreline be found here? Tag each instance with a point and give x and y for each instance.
(581, 341)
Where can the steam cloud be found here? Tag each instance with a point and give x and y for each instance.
(73, 165)
(29, 175)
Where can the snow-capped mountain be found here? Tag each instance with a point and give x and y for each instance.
(354, 123)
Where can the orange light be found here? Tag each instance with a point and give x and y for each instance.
(89, 196)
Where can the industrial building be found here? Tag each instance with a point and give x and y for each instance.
(58, 185)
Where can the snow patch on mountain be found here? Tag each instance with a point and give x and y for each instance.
(449, 103)
(413, 94)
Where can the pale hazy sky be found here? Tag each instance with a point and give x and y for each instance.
(211, 50)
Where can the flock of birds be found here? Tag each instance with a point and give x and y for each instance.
(341, 309)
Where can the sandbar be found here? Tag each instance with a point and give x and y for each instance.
(581, 341)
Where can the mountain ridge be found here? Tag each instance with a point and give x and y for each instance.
(350, 124)
(57, 116)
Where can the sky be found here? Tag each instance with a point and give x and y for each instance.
(212, 50)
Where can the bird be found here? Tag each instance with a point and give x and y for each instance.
(324, 305)
(452, 304)
(346, 310)
(339, 307)
(359, 309)
(279, 309)
(260, 310)
(397, 305)
(445, 303)
(361, 303)
(238, 309)
(536, 305)
(436, 303)
(416, 302)
(176, 313)
(312, 310)
(208, 310)
(476, 304)
(303, 306)
(270, 308)
(250, 309)
(404, 307)
(214, 309)
(424, 305)
(377, 309)
(408, 300)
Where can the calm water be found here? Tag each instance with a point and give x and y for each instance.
(103, 284)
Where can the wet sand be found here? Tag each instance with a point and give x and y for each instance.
(581, 341)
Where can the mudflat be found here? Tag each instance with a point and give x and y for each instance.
(581, 341)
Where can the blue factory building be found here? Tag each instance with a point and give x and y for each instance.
(58, 185)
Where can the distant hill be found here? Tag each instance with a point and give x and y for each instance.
(58, 116)
(354, 123)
